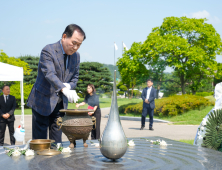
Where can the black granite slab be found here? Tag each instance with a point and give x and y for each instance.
(143, 155)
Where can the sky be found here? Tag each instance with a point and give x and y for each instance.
(26, 26)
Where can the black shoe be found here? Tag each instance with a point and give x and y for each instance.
(142, 127)
(151, 128)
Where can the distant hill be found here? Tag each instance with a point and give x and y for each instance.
(111, 69)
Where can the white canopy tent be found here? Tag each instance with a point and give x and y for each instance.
(13, 73)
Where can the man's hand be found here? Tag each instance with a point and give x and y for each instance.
(67, 85)
(146, 101)
(5, 116)
(71, 95)
(77, 105)
(8, 115)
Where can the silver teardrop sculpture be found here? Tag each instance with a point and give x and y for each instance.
(113, 142)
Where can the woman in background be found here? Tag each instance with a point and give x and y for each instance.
(93, 100)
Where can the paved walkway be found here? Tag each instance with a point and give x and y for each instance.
(131, 129)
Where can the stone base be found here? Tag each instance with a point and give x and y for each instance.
(143, 155)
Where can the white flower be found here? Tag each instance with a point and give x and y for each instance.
(131, 143)
(163, 143)
(6, 151)
(201, 134)
(66, 150)
(16, 153)
(204, 122)
(17, 148)
(201, 128)
(96, 145)
(29, 152)
(58, 145)
(199, 140)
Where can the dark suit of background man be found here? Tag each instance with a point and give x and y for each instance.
(148, 96)
(7, 108)
(58, 73)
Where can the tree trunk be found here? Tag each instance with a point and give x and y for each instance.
(182, 83)
(193, 92)
(132, 92)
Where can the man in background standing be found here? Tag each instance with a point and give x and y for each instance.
(7, 108)
(148, 96)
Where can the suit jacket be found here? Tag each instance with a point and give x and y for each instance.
(8, 107)
(45, 92)
(151, 97)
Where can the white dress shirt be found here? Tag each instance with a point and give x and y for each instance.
(5, 97)
(148, 92)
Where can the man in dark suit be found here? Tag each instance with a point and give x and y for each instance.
(58, 73)
(7, 108)
(148, 96)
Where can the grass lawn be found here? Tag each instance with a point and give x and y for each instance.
(26, 111)
(104, 102)
(193, 117)
(187, 141)
(211, 98)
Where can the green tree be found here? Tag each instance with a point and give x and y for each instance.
(94, 73)
(131, 67)
(171, 84)
(123, 88)
(111, 69)
(33, 64)
(218, 77)
(207, 85)
(4, 58)
(15, 91)
(188, 45)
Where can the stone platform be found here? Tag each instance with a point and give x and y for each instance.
(143, 155)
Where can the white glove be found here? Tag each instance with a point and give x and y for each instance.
(71, 95)
(67, 85)
(75, 96)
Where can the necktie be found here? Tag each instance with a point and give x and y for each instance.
(65, 58)
(6, 99)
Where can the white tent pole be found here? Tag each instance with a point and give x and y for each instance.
(22, 106)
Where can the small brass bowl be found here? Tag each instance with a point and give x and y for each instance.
(40, 144)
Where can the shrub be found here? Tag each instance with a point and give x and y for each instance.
(81, 95)
(136, 93)
(204, 94)
(107, 94)
(15, 91)
(123, 88)
(170, 106)
(121, 92)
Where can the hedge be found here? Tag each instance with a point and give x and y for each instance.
(204, 94)
(136, 93)
(121, 92)
(170, 106)
(15, 91)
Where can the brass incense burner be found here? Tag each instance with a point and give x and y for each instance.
(76, 124)
(40, 144)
